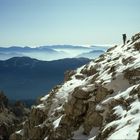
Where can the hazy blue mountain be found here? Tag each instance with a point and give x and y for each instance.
(38, 53)
(7, 55)
(24, 49)
(47, 53)
(93, 47)
(91, 54)
(103, 48)
(64, 47)
(26, 78)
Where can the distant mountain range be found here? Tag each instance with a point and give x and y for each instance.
(49, 53)
(38, 53)
(27, 78)
(91, 54)
(30, 72)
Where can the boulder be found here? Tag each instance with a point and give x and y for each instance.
(37, 116)
(75, 107)
(101, 93)
(92, 119)
(80, 93)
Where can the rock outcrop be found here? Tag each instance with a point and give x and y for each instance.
(10, 116)
(98, 101)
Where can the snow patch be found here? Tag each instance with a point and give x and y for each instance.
(56, 122)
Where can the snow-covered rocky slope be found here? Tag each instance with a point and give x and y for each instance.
(98, 101)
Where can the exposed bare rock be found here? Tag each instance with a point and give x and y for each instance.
(37, 116)
(10, 116)
(98, 101)
(90, 72)
(135, 37)
(81, 93)
(137, 46)
(75, 107)
(68, 75)
(15, 136)
(105, 134)
(101, 93)
(135, 91)
(112, 48)
(61, 133)
(128, 60)
(133, 75)
(3, 100)
(92, 119)
(79, 76)
(100, 59)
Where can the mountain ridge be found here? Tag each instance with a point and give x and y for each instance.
(25, 77)
(46, 53)
(92, 54)
(98, 101)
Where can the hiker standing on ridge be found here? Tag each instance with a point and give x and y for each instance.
(124, 38)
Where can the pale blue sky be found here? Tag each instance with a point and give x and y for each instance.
(46, 22)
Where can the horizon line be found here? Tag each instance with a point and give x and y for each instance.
(49, 45)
